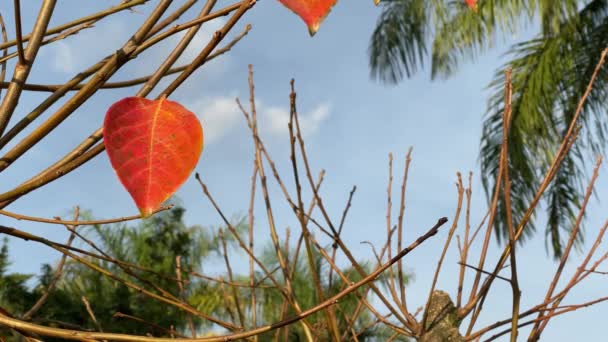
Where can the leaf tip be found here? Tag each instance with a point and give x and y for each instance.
(145, 212)
(313, 28)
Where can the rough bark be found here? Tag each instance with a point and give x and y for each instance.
(442, 321)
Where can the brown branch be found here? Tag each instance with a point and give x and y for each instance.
(460, 189)
(63, 35)
(65, 250)
(96, 16)
(174, 16)
(74, 159)
(330, 317)
(90, 312)
(4, 53)
(539, 327)
(362, 298)
(362, 301)
(235, 295)
(317, 198)
(213, 42)
(485, 272)
(506, 123)
(175, 54)
(76, 223)
(254, 318)
(408, 160)
(269, 213)
(40, 302)
(340, 243)
(75, 82)
(284, 292)
(464, 253)
(391, 275)
(334, 247)
(18, 34)
(76, 335)
(24, 66)
(101, 76)
(134, 81)
(155, 326)
(182, 292)
(565, 146)
(230, 283)
(568, 308)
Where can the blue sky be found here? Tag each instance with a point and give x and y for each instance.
(351, 123)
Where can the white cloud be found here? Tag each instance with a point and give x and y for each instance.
(149, 61)
(275, 119)
(104, 38)
(218, 116)
(87, 47)
(200, 40)
(63, 59)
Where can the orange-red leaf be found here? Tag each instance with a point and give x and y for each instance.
(311, 11)
(472, 4)
(153, 147)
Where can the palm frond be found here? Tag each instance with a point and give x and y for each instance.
(467, 33)
(549, 76)
(399, 42)
(563, 204)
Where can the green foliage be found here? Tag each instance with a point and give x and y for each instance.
(14, 293)
(153, 245)
(271, 305)
(550, 74)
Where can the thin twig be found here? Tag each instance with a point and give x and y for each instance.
(57, 29)
(484, 272)
(269, 213)
(65, 250)
(134, 81)
(243, 246)
(77, 223)
(254, 321)
(460, 189)
(155, 326)
(58, 272)
(539, 327)
(110, 67)
(507, 193)
(340, 243)
(329, 313)
(235, 295)
(75, 335)
(18, 34)
(465, 247)
(389, 203)
(408, 160)
(87, 305)
(561, 153)
(4, 53)
(182, 292)
(23, 68)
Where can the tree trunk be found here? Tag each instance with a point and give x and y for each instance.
(442, 320)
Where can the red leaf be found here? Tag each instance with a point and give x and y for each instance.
(311, 11)
(472, 4)
(153, 146)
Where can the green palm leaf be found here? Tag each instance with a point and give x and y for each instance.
(549, 74)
